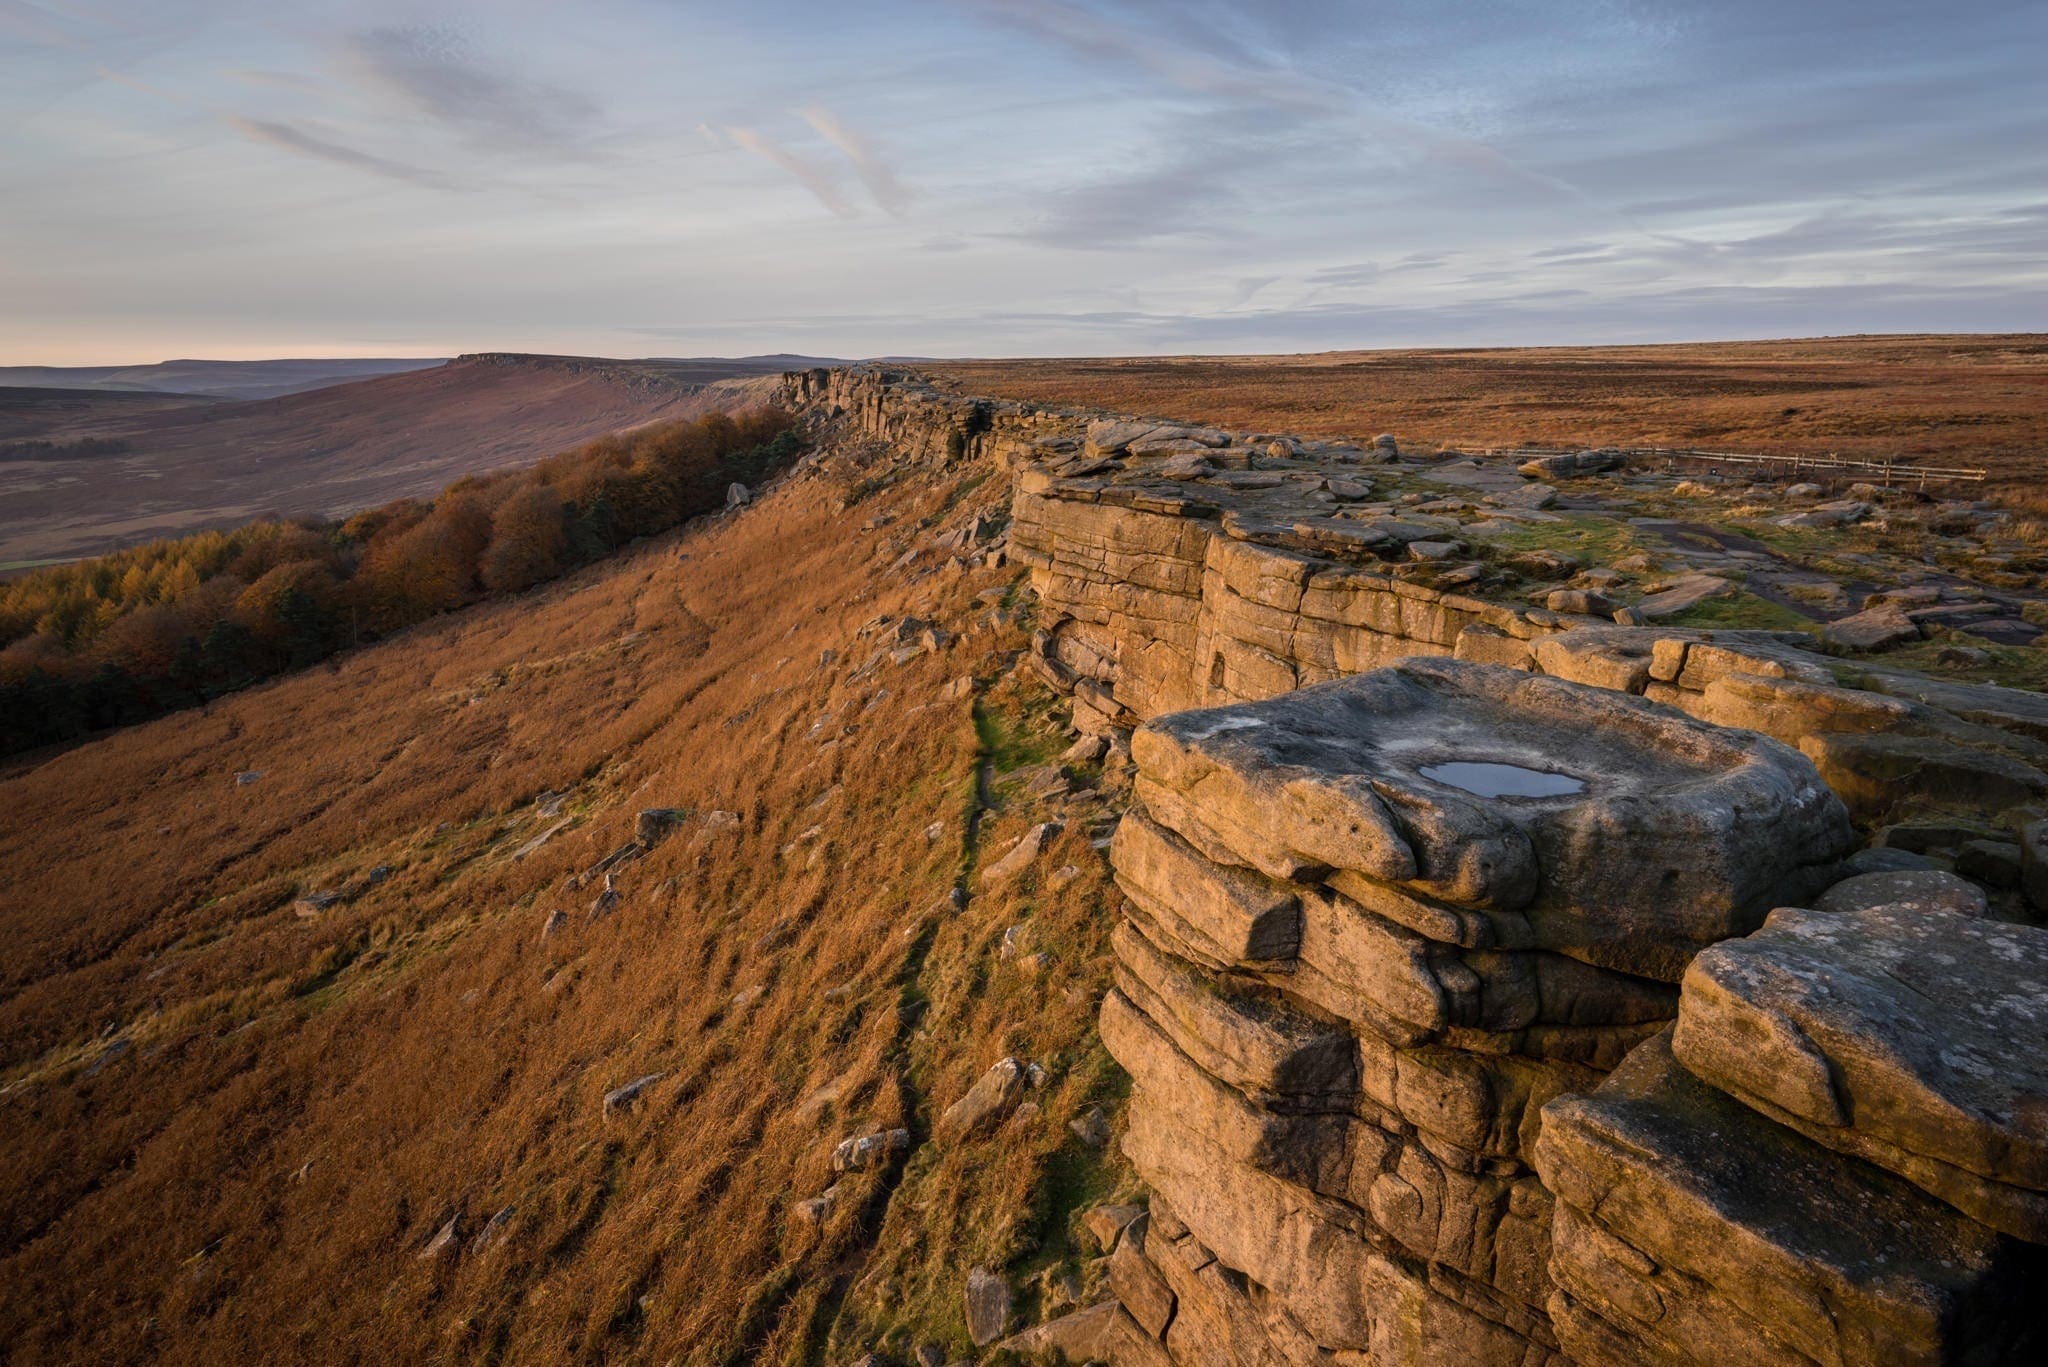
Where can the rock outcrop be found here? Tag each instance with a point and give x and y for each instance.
(1461, 1024)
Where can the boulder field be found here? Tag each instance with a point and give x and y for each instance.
(1505, 983)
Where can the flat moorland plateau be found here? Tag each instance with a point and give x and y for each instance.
(1942, 400)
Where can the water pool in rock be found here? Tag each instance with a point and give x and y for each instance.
(1502, 780)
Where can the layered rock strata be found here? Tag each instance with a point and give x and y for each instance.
(1347, 985)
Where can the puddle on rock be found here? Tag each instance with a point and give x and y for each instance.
(1502, 780)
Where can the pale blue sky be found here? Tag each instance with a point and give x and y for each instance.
(1001, 177)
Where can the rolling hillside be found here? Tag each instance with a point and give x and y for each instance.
(213, 379)
(95, 473)
(239, 1119)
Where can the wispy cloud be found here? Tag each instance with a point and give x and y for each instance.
(874, 173)
(434, 72)
(1229, 72)
(294, 139)
(812, 176)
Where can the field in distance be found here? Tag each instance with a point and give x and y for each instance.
(86, 471)
(1977, 401)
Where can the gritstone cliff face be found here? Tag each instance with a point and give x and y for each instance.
(1461, 1024)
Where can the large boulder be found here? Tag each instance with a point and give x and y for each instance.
(1908, 1036)
(1576, 818)
(1692, 1229)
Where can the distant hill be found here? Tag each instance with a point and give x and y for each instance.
(83, 472)
(215, 379)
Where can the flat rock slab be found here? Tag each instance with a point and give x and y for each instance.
(1700, 1230)
(1907, 1036)
(1626, 834)
(1921, 889)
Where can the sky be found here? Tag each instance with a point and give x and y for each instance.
(1010, 177)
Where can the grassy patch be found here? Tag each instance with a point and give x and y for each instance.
(1741, 610)
(2011, 666)
(1596, 538)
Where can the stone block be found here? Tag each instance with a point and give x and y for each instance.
(1703, 1231)
(1906, 1036)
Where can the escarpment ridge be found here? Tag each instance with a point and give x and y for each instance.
(1466, 979)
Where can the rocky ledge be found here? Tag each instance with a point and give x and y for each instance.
(1466, 980)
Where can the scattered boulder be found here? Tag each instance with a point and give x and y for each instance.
(1386, 447)
(816, 1210)
(1541, 564)
(1087, 750)
(1879, 859)
(1840, 513)
(1586, 602)
(447, 1241)
(622, 1098)
(1803, 491)
(988, 1306)
(737, 495)
(1877, 628)
(1091, 1127)
(247, 777)
(1919, 889)
(1682, 593)
(869, 1150)
(1533, 497)
(1567, 464)
(1111, 435)
(493, 1231)
(653, 823)
(1020, 855)
(985, 1104)
(314, 903)
(1995, 863)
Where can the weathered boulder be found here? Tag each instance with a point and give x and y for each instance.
(1623, 833)
(1906, 1036)
(1020, 856)
(984, 1105)
(623, 1098)
(989, 1301)
(1688, 591)
(1692, 1229)
(1918, 889)
(864, 1151)
(1566, 464)
(447, 1240)
(1872, 629)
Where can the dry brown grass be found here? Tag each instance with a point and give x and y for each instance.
(1941, 400)
(230, 1131)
